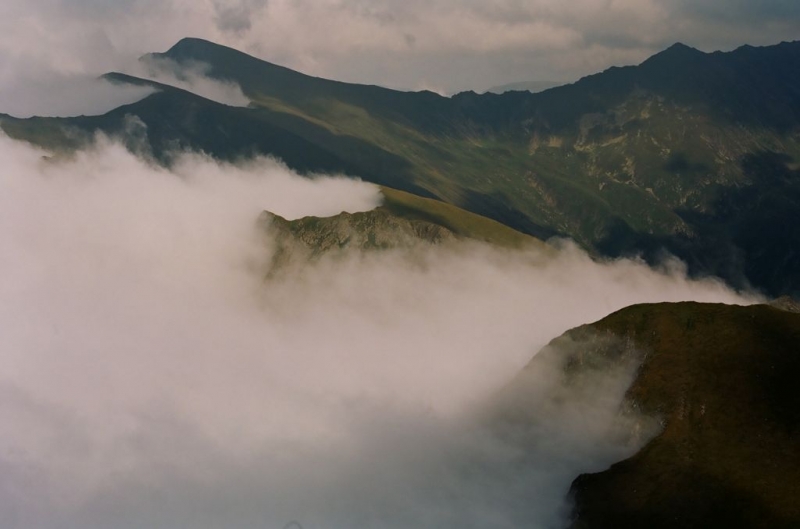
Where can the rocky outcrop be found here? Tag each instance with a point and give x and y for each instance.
(309, 238)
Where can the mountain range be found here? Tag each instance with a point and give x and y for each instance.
(530, 86)
(689, 153)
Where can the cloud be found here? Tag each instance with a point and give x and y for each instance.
(40, 82)
(26, 91)
(50, 60)
(454, 44)
(153, 377)
(190, 76)
(68, 96)
(235, 17)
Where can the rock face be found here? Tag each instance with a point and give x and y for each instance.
(307, 239)
(723, 382)
(376, 229)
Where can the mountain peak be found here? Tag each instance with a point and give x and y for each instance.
(678, 53)
(193, 48)
(253, 75)
(190, 43)
(680, 46)
(680, 50)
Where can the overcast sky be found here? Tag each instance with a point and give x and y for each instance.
(444, 45)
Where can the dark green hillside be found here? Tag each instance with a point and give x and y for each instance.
(723, 381)
(172, 120)
(692, 153)
(262, 81)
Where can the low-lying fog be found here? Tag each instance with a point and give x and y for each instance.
(150, 377)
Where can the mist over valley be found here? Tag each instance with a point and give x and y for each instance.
(237, 295)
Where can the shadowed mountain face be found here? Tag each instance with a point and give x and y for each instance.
(690, 153)
(722, 381)
(529, 86)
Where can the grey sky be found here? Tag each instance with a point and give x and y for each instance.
(444, 45)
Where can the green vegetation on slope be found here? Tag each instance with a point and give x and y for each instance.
(462, 223)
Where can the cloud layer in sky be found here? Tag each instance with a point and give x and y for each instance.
(153, 377)
(446, 45)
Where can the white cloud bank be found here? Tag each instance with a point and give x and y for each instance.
(152, 378)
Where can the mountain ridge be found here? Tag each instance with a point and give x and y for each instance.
(675, 155)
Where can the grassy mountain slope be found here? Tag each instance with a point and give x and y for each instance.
(723, 382)
(458, 221)
(403, 220)
(690, 152)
